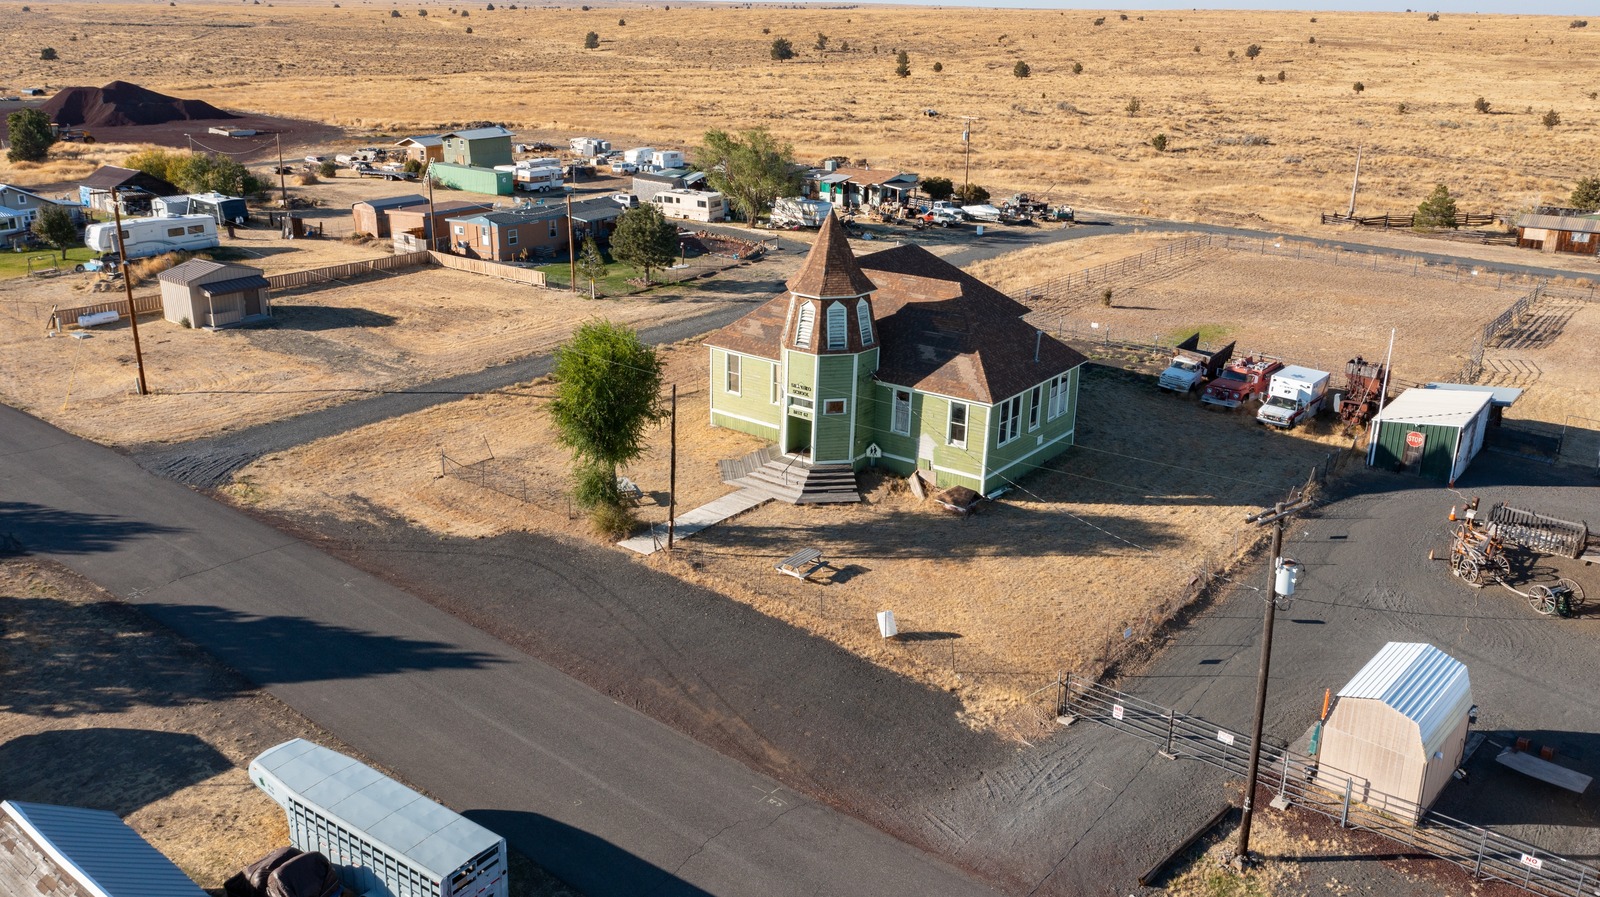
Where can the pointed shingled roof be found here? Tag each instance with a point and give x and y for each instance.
(830, 271)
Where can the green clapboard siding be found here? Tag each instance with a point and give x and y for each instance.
(1032, 448)
(836, 379)
(472, 179)
(756, 414)
(1438, 451)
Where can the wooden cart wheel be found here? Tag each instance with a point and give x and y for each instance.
(1464, 567)
(1541, 599)
(1575, 592)
(1501, 566)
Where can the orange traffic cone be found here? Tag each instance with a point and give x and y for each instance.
(1452, 512)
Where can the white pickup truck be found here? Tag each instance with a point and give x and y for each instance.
(1296, 395)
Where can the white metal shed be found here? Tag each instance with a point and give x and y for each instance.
(384, 839)
(1401, 725)
(56, 851)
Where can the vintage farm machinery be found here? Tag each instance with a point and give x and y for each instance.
(1479, 553)
(1363, 392)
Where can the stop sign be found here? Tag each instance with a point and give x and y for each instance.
(1414, 439)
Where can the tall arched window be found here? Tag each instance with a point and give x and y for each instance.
(864, 321)
(838, 326)
(802, 331)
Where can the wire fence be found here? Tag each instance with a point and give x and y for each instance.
(1302, 781)
(508, 477)
(1506, 320)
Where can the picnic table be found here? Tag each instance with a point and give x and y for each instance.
(629, 490)
(802, 563)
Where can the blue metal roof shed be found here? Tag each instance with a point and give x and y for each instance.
(97, 850)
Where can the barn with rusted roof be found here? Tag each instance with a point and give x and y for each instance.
(898, 359)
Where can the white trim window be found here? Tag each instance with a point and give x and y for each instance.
(802, 329)
(835, 406)
(555, 228)
(511, 236)
(776, 392)
(838, 322)
(483, 236)
(955, 431)
(1058, 395)
(864, 321)
(900, 418)
(733, 371)
(1010, 420)
(1035, 407)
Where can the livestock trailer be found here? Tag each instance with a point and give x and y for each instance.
(384, 839)
(145, 237)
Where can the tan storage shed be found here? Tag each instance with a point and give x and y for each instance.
(1400, 725)
(371, 215)
(212, 294)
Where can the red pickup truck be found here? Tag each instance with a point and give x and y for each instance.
(1241, 379)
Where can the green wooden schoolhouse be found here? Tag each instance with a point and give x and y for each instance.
(897, 359)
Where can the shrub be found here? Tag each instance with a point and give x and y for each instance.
(1481, 104)
(591, 41)
(469, 29)
(1551, 119)
(1159, 142)
(1587, 194)
(48, 54)
(844, 46)
(1261, 79)
(1021, 69)
(1311, 40)
(938, 67)
(394, 13)
(1283, 75)
(1358, 87)
(1231, 54)
(1134, 106)
(1077, 68)
(822, 42)
(1252, 51)
(307, 178)
(621, 22)
(1576, 23)
(423, 13)
(782, 49)
(1433, 17)
(1124, 17)
(1401, 108)
(1438, 210)
(412, 166)
(1105, 297)
(937, 188)
(971, 195)
(1100, 21)
(185, 323)
(902, 64)
(613, 521)
(595, 486)
(766, 31)
(1197, 48)
(328, 168)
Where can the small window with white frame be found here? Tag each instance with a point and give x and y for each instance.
(1035, 406)
(734, 370)
(835, 406)
(900, 419)
(1010, 420)
(956, 430)
(511, 237)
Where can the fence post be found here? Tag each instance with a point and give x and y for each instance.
(1066, 693)
(1477, 865)
(1344, 814)
(1171, 722)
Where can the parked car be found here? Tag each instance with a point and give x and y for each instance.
(626, 200)
(316, 160)
(943, 217)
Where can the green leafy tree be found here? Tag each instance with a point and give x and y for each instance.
(645, 239)
(902, 64)
(1587, 194)
(1438, 210)
(782, 49)
(608, 390)
(936, 188)
(752, 168)
(971, 195)
(30, 136)
(591, 264)
(1021, 69)
(209, 173)
(591, 41)
(54, 226)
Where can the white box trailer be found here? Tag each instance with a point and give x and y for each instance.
(382, 837)
(1296, 394)
(692, 205)
(145, 237)
(640, 156)
(666, 159)
(537, 180)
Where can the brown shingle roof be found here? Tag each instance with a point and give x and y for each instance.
(830, 270)
(939, 330)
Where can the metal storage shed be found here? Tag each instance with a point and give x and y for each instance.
(1400, 724)
(212, 294)
(384, 839)
(1433, 432)
(54, 851)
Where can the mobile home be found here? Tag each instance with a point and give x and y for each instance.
(692, 205)
(144, 237)
(382, 837)
(666, 159)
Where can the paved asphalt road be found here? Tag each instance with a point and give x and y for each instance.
(605, 798)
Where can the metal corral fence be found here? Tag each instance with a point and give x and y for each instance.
(1473, 369)
(347, 270)
(1059, 288)
(1350, 799)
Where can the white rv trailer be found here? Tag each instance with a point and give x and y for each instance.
(144, 237)
(383, 839)
(692, 205)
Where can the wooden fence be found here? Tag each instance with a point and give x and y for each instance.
(1463, 219)
(492, 269)
(346, 271)
(141, 304)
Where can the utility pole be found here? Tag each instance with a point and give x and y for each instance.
(127, 286)
(433, 237)
(672, 471)
(572, 255)
(283, 185)
(1281, 581)
(1354, 183)
(966, 142)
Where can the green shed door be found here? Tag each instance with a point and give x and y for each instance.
(1433, 461)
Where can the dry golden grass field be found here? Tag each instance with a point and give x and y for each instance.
(1243, 143)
